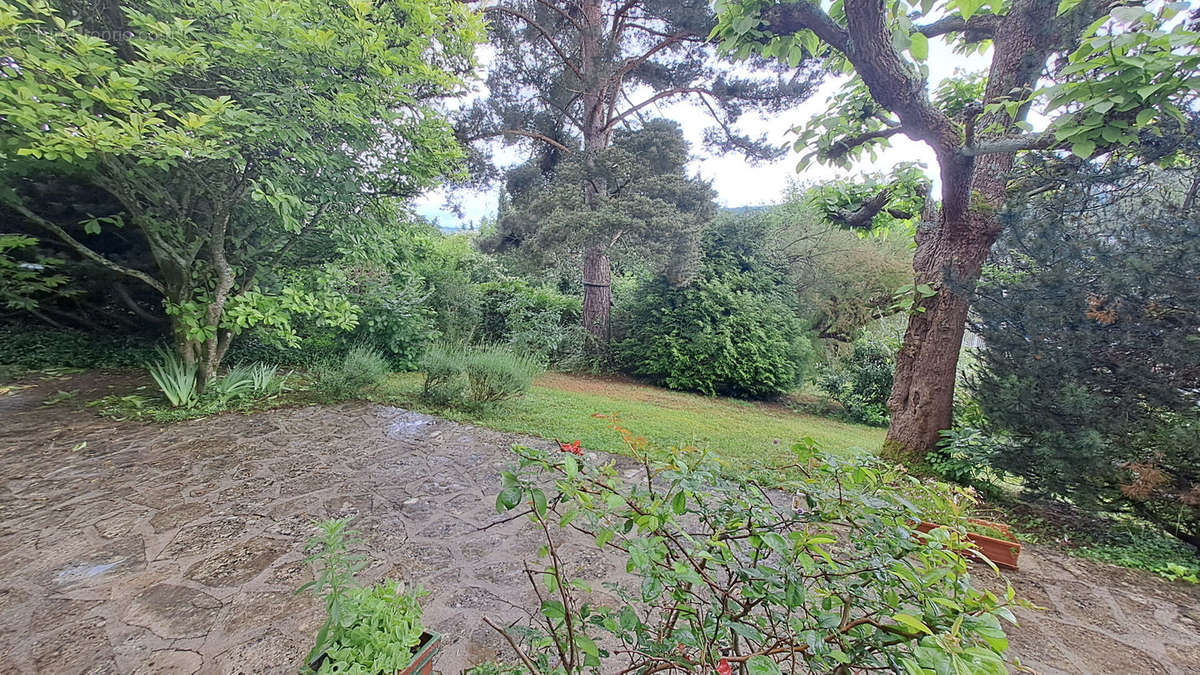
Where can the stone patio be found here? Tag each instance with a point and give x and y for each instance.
(179, 549)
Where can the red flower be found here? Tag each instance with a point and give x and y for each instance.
(723, 668)
(572, 447)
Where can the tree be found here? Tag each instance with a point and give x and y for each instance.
(642, 202)
(1115, 72)
(567, 74)
(228, 132)
(1089, 310)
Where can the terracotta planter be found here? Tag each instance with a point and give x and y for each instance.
(1002, 552)
(423, 655)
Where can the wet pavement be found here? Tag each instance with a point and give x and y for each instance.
(179, 549)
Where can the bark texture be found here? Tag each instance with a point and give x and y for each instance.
(597, 296)
(952, 244)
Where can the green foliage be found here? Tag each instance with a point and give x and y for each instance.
(35, 348)
(366, 630)
(1134, 72)
(1149, 551)
(230, 138)
(176, 379)
(718, 335)
(719, 563)
(907, 185)
(476, 376)
(862, 380)
(964, 455)
(648, 208)
(27, 279)
(362, 367)
(1090, 369)
(532, 320)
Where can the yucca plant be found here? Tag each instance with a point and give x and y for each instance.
(175, 378)
(266, 378)
(236, 380)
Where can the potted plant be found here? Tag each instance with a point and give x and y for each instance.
(370, 629)
(994, 541)
(942, 508)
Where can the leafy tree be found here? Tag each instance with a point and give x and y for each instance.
(841, 280)
(1114, 73)
(568, 74)
(1091, 370)
(641, 201)
(229, 132)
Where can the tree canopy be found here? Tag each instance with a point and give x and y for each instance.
(223, 132)
(1103, 73)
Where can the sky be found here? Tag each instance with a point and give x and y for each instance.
(736, 181)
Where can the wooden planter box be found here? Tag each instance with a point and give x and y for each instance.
(423, 655)
(1002, 552)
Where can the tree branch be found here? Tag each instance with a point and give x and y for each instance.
(84, 250)
(862, 217)
(545, 33)
(1010, 144)
(660, 95)
(979, 27)
(840, 148)
(793, 17)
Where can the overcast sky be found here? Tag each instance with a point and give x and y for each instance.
(737, 182)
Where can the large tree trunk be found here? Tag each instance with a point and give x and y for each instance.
(922, 399)
(597, 297)
(949, 259)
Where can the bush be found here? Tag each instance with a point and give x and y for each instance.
(34, 347)
(833, 581)
(716, 336)
(496, 374)
(862, 381)
(963, 455)
(362, 367)
(444, 380)
(476, 375)
(531, 320)
(1091, 370)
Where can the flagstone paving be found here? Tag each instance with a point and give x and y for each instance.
(178, 549)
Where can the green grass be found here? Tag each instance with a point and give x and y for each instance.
(565, 407)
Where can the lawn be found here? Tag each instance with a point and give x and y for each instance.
(564, 406)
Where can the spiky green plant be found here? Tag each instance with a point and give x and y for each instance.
(176, 378)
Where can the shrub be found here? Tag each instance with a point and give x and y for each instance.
(963, 455)
(444, 380)
(531, 320)
(496, 374)
(176, 379)
(862, 381)
(834, 581)
(34, 347)
(715, 336)
(1091, 369)
(476, 375)
(362, 367)
(367, 630)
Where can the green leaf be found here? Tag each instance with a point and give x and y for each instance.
(1083, 149)
(508, 499)
(912, 622)
(919, 47)
(1145, 117)
(761, 665)
(539, 502)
